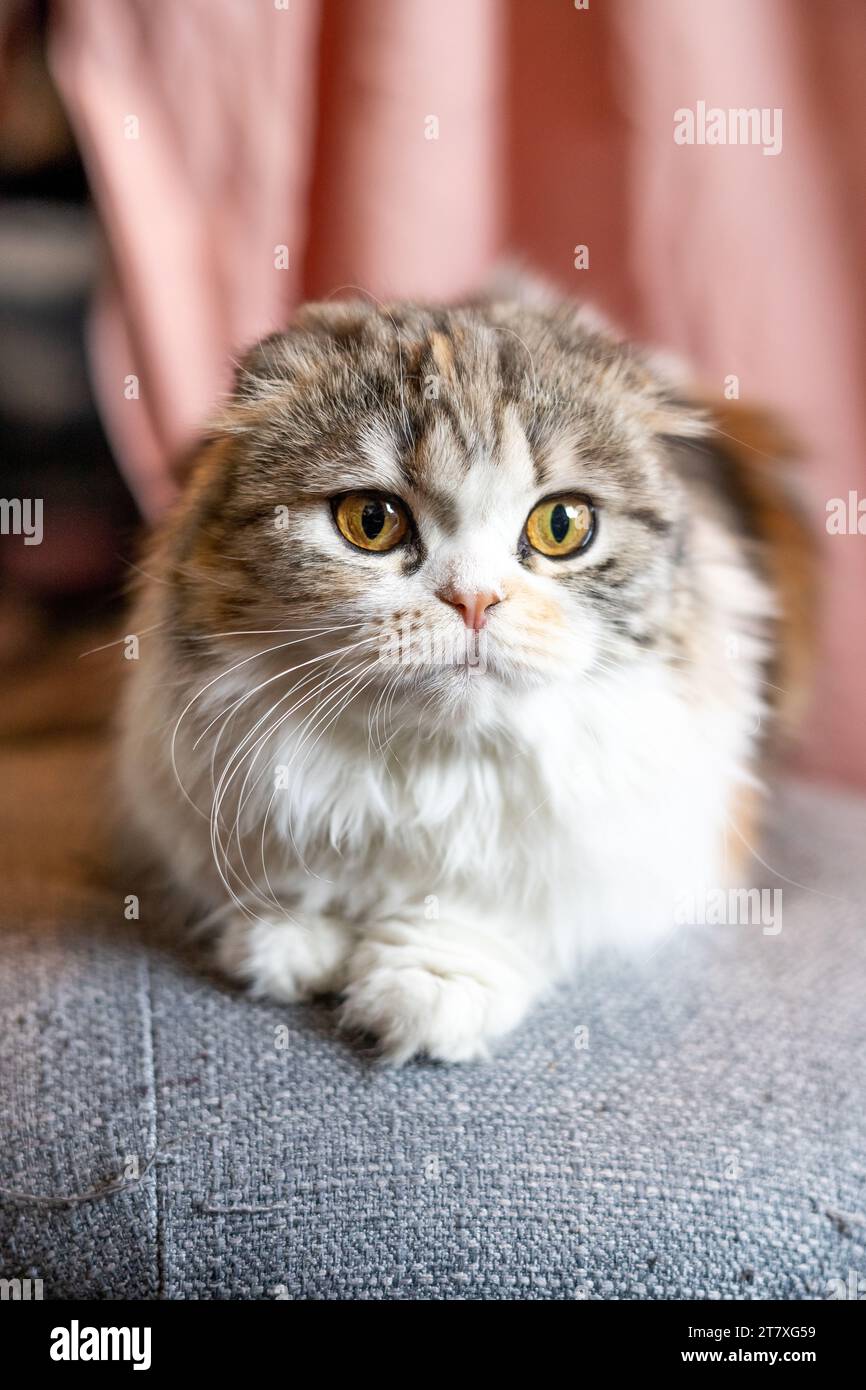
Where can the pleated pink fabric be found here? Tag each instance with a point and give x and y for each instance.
(244, 156)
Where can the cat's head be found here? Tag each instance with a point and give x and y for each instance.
(475, 501)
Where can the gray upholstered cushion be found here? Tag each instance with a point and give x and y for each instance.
(709, 1142)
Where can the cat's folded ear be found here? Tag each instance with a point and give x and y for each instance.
(670, 407)
(261, 367)
(261, 373)
(279, 359)
(511, 281)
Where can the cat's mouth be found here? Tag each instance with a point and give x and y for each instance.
(487, 667)
(457, 659)
(468, 653)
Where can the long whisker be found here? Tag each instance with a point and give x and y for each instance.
(244, 794)
(314, 725)
(818, 892)
(270, 631)
(142, 632)
(295, 687)
(238, 757)
(388, 750)
(342, 700)
(254, 656)
(373, 714)
(248, 695)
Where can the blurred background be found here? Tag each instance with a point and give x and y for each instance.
(176, 175)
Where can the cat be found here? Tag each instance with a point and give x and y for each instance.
(462, 654)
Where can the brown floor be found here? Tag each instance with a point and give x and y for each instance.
(56, 707)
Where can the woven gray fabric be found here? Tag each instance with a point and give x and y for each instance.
(707, 1143)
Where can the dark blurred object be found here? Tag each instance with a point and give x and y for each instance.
(52, 446)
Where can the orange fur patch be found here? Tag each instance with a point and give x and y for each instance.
(442, 352)
(752, 441)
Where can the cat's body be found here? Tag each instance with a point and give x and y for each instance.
(360, 802)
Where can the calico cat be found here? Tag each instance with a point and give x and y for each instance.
(460, 655)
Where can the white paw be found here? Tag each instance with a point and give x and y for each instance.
(285, 960)
(431, 1000)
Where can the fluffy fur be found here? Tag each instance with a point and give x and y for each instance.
(347, 803)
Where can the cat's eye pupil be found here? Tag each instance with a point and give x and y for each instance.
(560, 527)
(559, 523)
(373, 519)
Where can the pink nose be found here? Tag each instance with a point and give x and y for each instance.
(472, 606)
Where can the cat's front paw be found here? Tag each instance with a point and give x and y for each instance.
(429, 1000)
(284, 960)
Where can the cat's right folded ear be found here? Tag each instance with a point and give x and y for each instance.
(262, 367)
(513, 281)
(276, 360)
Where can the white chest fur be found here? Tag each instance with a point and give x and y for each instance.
(593, 813)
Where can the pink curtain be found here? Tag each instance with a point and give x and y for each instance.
(246, 155)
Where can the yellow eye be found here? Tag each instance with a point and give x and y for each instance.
(560, 526)
(371, 521)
